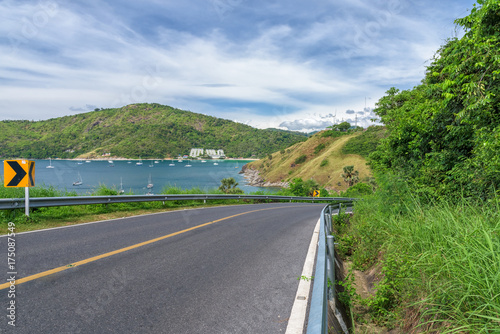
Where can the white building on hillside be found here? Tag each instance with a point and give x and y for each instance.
(196, 152)
(214, 154)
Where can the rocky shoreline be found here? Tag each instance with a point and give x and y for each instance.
(253, 178)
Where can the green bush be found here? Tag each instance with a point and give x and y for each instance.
(319, 148)
(366, 142)
(301, 159)
(358, 190)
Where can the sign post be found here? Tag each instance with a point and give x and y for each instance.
(20, 173)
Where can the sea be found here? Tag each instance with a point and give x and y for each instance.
(134, 178)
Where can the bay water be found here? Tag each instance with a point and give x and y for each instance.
(127, 175)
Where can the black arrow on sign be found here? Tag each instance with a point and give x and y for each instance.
(32, 166)
(20, 173)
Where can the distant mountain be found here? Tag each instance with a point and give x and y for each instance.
(137, 130)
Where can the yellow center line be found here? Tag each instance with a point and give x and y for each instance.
(121, 250)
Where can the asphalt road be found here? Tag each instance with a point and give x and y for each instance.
(237, 273)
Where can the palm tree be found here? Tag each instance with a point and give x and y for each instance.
(228, 186)
(350, 176)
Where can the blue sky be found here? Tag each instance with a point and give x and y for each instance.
(297, 65)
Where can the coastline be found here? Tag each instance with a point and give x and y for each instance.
(253, 178)
(135, 159)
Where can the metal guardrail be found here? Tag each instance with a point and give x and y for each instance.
(323, 292)
(38, 202)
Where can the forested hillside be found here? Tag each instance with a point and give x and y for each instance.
(444, 135)
(431, 232)
(146, 130)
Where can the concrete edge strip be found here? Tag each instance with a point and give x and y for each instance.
(299, 309)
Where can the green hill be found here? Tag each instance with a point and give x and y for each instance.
(322, 158)
(146, 130)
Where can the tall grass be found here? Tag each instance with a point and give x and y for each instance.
(440, 260)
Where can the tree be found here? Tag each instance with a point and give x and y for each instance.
(299, 187)
(443, 135)
(344, 126)
(228, 186)
(350, 176)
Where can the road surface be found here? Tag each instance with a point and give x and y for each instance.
(230, 269)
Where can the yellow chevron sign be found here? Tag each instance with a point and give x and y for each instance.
(316, 193)
(18, 173)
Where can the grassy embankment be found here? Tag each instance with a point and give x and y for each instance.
(436, 265)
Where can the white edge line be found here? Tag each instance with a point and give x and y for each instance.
(299, 309)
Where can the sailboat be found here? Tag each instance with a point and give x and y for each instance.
(150, 182)
(189, 164)
(151, 164)
(139, 163)
(171, 164)
(121, 191)
(78, 182)
(50, 164)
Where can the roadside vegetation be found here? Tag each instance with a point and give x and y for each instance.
(429, 238)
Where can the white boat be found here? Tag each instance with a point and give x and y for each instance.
(50, 164)
(78, 182)
(216, 164)
(150, 182)
(188, 164)
(110, 161)
(129, 162)
(151, 164)
(80, 162)
(171, 164)
(87, 161)
(203, 161)
(157, 162)
(139, 163)
(121, 191)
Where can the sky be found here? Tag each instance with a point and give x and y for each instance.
(296, 65)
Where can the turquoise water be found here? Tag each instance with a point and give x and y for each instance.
(135, 178)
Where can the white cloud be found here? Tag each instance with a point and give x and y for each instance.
(265, 66)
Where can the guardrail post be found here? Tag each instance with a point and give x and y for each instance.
(328, 219)
(330, 241)
(27, 201)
